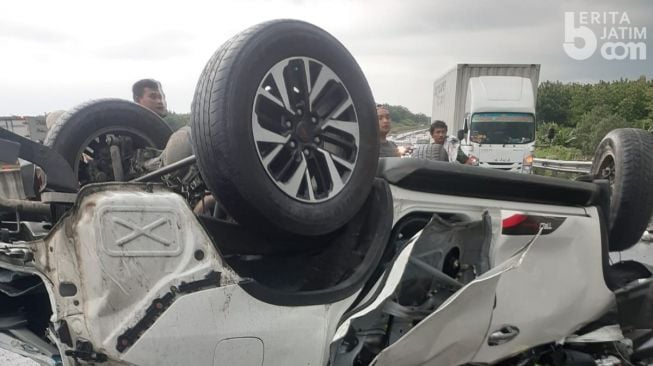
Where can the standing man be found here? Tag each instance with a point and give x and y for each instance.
(386, 148)
(149, 94)
(438, 149)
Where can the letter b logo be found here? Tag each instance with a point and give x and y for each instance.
(572, 33)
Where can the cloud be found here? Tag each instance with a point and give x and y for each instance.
(158, 46)
(28, 32)
(402, 46)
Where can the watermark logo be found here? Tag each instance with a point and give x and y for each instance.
(611, 32)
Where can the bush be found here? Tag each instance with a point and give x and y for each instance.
(560, 153)
(594, 125)
(564, 136)
(177, 120)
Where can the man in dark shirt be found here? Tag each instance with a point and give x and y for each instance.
(386, 148)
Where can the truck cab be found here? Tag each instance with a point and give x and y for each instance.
(500, 122)
(491, 109)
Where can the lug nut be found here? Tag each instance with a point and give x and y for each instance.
(288, 124)
(299, 111)
(313, 119)
(306, 152)
(316, 140)
(293, 144)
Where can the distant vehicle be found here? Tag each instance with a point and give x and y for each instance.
(491, 107)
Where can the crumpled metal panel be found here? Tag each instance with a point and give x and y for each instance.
(123, 247)
(559, 288)
(456, 330)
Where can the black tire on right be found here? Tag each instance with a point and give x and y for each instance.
(630, 152)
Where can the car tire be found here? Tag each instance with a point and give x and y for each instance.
(281, 154)
(73, 132)
(625, 158)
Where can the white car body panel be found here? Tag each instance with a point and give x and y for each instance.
(201, 322)
(117, 283)
(532, 294)
(560, 285)
(133, 237)
(407, 202)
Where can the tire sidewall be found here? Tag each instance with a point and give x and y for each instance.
(76, 126)
(255, 59)
(631, 201)
(610, 148)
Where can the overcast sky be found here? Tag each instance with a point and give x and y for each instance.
(56, 54)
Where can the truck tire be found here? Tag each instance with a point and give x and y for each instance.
(284, 129)
(74, 132)
(625, 158)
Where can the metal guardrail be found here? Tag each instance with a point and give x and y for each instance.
(563, 165)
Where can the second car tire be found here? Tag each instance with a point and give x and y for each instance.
(72, 132)
(625, 158)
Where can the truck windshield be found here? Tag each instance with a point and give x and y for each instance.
(502, 128)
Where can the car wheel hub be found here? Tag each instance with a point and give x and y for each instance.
(305, 129)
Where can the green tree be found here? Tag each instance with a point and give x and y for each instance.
(582, 101)
(553, 102)
(595, 124)
(177, 120)
(403, 119)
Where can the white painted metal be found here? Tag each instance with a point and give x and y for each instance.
(558, 289)
(406, 202)
(36, 351)
(198, 323)
(122, 249)
(530, 297)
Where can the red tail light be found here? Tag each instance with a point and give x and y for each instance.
(514, 220)
(522, 224)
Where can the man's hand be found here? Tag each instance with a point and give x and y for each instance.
(472, 160)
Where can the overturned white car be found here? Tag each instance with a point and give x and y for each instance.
(303, 249)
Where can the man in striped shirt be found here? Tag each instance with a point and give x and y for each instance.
(438, 149)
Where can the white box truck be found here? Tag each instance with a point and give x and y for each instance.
(494, 107)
